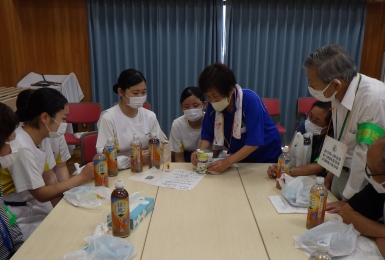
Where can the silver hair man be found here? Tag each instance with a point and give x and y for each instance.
(331, 62)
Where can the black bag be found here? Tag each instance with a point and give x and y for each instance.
(45, 83)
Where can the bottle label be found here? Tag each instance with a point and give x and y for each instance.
(100, 173)
(287, 167)
(136, 156)
(111, 158)
(154, 155)
(116, 144)
(316, 210)
(284, 166)
(120, 215)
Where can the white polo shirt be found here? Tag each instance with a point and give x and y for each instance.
(183, 137)
(368, 105)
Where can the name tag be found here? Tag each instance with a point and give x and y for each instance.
(332, 156)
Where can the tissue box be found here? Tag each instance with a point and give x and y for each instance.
(137, 214)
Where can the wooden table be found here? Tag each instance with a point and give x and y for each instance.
(277, 230)
(227, 216)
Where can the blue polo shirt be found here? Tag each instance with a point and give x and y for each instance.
(257, 127)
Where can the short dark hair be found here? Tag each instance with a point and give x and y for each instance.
(128, 78)
(331, 62)
(191, 91)
(43, 100)
(8, 123)
(21, 104)
(217, 76)
(325, 106)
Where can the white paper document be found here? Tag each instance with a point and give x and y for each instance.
(180, 180)
(366, 249)
(151, 176)
(281, 205)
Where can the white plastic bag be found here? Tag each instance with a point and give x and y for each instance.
(296, 190)
(105, 247)
(88, 196)
(341, 237)
(299, 153)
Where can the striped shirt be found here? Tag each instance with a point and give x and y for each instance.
(14, 233)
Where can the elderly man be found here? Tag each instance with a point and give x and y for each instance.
(366, 207)
(358, 104)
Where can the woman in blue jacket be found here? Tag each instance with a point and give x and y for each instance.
(237, 120)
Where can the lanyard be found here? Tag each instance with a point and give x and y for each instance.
(347, 114)
(5, 236)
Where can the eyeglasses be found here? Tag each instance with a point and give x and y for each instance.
(369, 173)
(313, 120)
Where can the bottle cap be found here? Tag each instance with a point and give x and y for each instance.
(136, 137)
(306, 135)
(99, 150)
(319, 180)
(119, 184)
(323, 246)
(153, 134)
(110, 139)
(285, 149)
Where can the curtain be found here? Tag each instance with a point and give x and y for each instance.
(170, 42)
(268, 40)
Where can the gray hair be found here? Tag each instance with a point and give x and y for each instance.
(331, 62)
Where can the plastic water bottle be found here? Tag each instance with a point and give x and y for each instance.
(111, 155)
(284, 164)
(120, 211)
(317, 204)
(136, 155)
(322, 251)
(153, 151)
(100, 168)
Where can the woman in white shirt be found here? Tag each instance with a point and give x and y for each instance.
(58, 171)
(25, 191)
(185, 132)
(128, 117)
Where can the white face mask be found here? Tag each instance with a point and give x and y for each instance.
(319, 94)
(193, 114)
(313, 128)
(377, 186)
(60, 131)
(8, 160)
(221, 105)
(136, 102)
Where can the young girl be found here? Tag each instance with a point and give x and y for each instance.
(61, 154)
(186, 130)
(25, 191)
(12, 239)
(128, 117)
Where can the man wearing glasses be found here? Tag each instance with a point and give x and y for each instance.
(367, 206)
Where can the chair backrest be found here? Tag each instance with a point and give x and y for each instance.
(305, 104)
(147, 106)
(88, 146)
(85, 112)
(272, 106)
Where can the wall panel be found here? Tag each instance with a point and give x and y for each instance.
(374, 40)
(47, 37)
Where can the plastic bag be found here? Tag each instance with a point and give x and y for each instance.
(105, 247)
(341, 237)
(299, 153)
(296, 190)
(88, 196)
